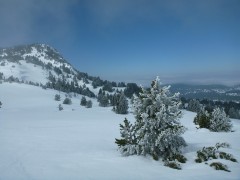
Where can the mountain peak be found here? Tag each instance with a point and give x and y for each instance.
(42, 52)
(32, 62)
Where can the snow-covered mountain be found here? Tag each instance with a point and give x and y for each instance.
(42, 65)
(30, 62)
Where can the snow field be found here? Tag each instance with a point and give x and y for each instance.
(37, 141)
(24, 71)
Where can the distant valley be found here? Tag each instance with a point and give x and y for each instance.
(211, 92)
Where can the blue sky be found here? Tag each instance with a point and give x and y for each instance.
(182, 41)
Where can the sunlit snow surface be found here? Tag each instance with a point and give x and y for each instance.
(37, 141)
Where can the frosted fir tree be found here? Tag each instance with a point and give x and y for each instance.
(127, 145)
(219, 121)
(157, 130)
(122, 105)
(194, 105)
(103, 101)
(202, 118)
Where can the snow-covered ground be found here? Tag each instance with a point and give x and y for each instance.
(24, 71)
(37, 141)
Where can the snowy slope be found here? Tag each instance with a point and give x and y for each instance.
(26, 62)
(24, 71)
(39, 142)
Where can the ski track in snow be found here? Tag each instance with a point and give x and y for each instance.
(39, 142)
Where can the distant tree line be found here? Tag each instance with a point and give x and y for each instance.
(118, 100)
(65, 85)
(11, 79)
(107, 85)
(232, 109)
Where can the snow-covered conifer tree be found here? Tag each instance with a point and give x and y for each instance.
(67, 101)
(83, 101)
(122, 105)
(103, 101)
(203, 118)
(57, 97)
(219, 121)
(194, 105)
(157, 130)
(127, 145)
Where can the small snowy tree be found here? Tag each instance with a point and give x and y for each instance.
(0, 104)
(60, 108)
(89, 104)
(57, 97)
(219, 121)
(83, 101)
(67, 101)
(127, 145)
(122, 105)
(202, 119)
(157, 130)
(103, 101)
